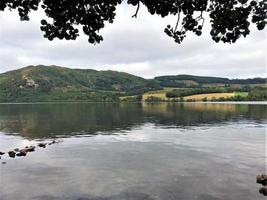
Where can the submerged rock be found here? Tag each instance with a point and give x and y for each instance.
(53, 142)
(3, 163)
(12, 154)
(16, 150)
(2, 153)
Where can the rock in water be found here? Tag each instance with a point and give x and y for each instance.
(262, 179)
(12, 154)
(2, 153)
(22, 152)
(30, 149)
(263, 191)
(53, 142)
(41, 145)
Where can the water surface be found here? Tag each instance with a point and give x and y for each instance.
(190, 151)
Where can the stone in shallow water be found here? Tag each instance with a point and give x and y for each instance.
(262, 179)
(53, 142)
(42, 145)
(2, 153)
(30, 149)
(22, 153)
(263, 191)
(12, 154)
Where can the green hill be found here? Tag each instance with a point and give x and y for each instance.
(53, 83)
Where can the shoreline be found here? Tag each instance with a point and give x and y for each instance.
(89, 102)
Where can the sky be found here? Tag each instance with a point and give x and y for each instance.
(135, 45)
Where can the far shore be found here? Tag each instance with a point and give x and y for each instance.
(202, 102)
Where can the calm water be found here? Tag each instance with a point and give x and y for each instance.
(191, 151)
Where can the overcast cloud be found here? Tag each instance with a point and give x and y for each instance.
(138, 46)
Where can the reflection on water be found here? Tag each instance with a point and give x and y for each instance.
(160, 151)
(50, 120)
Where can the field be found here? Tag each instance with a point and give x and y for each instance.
(210, 96)
(199, 97)
(159, 93)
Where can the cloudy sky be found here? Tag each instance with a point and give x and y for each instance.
(138, 46)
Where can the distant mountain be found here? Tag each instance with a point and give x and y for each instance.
(53, 83)
(199, 81)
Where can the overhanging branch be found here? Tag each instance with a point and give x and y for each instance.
(137, 9)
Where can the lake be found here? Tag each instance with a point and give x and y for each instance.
(132, 151)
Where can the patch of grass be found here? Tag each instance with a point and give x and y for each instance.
(125, 97)
(241, 94)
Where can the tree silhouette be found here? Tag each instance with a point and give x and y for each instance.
(230, 19)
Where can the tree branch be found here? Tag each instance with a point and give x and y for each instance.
(177, 23)
(136, 12)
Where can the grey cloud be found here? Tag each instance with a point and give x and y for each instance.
(137, 46)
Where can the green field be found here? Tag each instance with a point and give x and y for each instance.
(241, 94)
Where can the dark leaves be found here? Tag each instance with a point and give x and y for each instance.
(229, 19)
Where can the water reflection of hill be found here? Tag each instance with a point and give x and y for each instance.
(49, 120)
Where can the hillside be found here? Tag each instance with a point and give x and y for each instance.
(53, 83)
(182, 81)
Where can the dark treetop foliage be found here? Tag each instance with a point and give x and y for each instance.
(230, 19)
